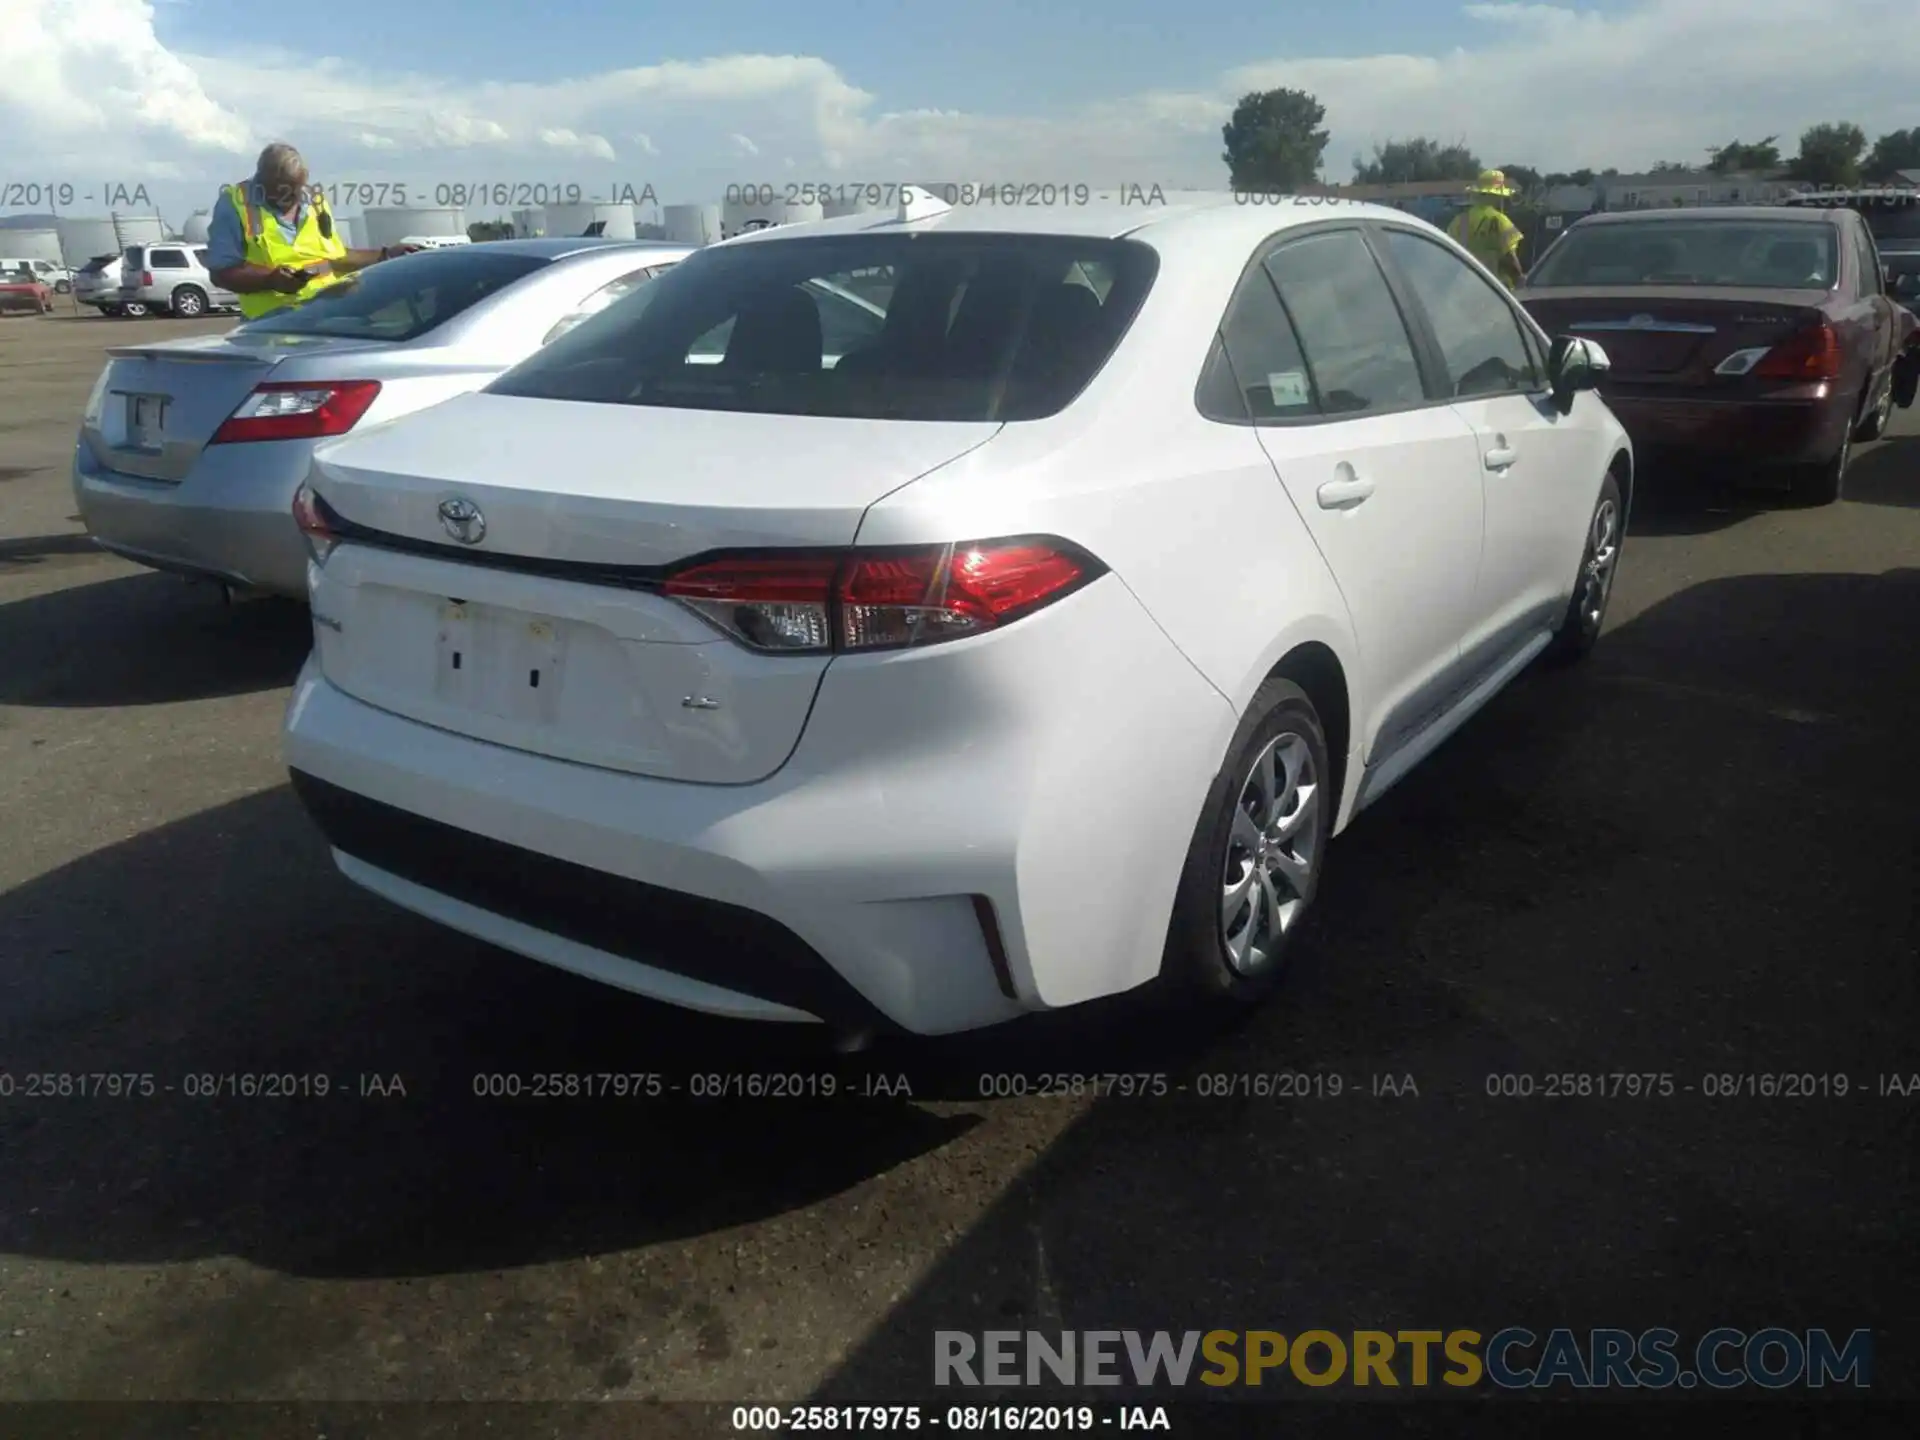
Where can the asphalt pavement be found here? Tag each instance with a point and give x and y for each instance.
(1693, 857)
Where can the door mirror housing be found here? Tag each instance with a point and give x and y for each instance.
(1575, 365)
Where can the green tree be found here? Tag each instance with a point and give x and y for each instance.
(1274, 140)
(1896, 150)
(490, 230)
(1401, 162)
(1524, 178)
(1830, 154)
(1737, 155)
(1669, 167)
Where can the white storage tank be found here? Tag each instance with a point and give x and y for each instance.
(854, 205)
(140, 230)
(738, 215)
(194, 232)
(529, 224)
(82, 238)
(390, 227)
(692, 224)
(578, 219)
(32, 245)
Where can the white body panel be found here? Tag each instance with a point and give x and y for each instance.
(1053, 769)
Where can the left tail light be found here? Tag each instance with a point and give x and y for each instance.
(313, 517)
(822, 601)
(298, 410)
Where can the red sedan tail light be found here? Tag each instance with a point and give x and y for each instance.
(813, 601)
(298, 410)
(146, 277)
(1813, 354)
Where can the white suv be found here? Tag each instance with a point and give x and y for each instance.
(171, 279)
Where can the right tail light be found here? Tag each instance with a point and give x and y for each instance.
(1812, 354)
(821, 601)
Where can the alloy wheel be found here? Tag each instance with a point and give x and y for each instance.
(1603, 549)
(1271, 853)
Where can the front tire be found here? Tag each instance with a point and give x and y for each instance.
(1254, 863)
(134, 309)
(1593, 587)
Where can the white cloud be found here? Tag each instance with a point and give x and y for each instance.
(77, 76)
(92, 86)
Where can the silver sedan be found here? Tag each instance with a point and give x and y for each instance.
(190, 450)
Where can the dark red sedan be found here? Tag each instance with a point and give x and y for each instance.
(20, 290)
(1757, 337)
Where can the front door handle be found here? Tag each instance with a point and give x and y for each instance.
(1343, 494)
(1501, 458)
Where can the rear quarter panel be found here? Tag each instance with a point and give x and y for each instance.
(1187, 512)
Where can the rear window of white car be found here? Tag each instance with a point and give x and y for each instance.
(1789, 255)
(402, 299)
(898, 327)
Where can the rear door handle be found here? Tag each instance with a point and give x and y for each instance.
(1343, 494)
(1501, 458)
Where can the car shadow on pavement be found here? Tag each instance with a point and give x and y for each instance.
(1690, 858)
(142, 639)
(32, 549)
(227, 945)
(1888, 474)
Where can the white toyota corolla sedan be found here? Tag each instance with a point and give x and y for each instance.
(1016, 636)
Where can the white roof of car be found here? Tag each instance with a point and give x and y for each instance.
(1145, 212)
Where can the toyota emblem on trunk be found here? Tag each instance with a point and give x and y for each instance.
(463, 521)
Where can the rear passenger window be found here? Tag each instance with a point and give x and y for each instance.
(1255, 370)
(1870, 278)
(1479, 335)
(169, 260)
(1357, 352)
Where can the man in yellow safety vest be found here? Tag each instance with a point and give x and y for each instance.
(1483, 227)
(271, 240)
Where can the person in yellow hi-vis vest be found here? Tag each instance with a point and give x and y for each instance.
(1483, 227)
(271, 240)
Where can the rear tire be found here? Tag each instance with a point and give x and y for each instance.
(1820, 484)
(1253, 866)
(1873, 424)
(189, 302)
(1586, 612)
(133, 309)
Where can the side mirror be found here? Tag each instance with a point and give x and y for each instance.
(1574, 365)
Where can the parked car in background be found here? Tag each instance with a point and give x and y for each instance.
(1757, 336)
(1031, 651)
(22, 292)
(171, 279)
(97, 284)
(190, 450)
(51, 273)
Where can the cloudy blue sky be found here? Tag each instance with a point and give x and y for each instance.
(693, 97)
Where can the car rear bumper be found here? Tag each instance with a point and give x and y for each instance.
(958, 837)
(1752, 432)
(230, 519)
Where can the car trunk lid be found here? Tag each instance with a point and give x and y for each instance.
(1651, 335)
(159, 405)
(533, 619)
